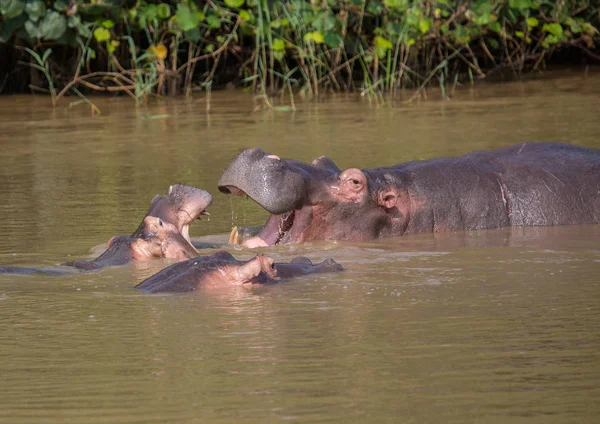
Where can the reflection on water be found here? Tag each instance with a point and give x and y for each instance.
(480, 326)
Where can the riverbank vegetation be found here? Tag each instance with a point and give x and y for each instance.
(145, 47)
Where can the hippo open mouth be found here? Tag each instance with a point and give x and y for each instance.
(307, 201)
(280, 228)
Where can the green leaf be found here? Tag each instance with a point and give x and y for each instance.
(84, 30)
(148, 13)
(244, 15)
(54, 25)
(101, 34)
(35, 10)
(62, 5)
(495, 26)
(10, 25)
(383, 43)
(554, 29)
(163, 11)
(482, 12)
(108, 24)
(279, 55)
(424, 25)
(332, 39)
(550, 40)
(315, 36)
(493, 43)
(396, 4)
(412, 20)
(278, 45)
(186, 18)
(520, 4)
(461, 34)
(213, 21)
(380, 52)
(329, 22)
(11, 8)
(234, 3)
(589, 28)
(33, 29)
(374, 8)
(46, 55)
(193, 34)
(520, 34)
(532, 22)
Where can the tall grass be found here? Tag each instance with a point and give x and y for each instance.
(294, 47)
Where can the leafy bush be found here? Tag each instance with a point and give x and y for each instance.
(149, 46)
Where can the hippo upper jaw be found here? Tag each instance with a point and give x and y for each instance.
(268, 180)
(180, 207)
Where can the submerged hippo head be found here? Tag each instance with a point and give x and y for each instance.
(314, 201)
(221, 269)
(218, 269)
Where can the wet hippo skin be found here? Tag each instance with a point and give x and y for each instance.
(163, 233)
(221, 269)
(529, 184)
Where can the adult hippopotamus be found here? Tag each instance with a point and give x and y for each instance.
(221, 269)
(522, 185)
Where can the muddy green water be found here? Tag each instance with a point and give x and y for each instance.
(489, 326)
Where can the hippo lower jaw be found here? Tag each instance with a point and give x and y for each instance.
(280, 229)
(276, 231)
(185, 229)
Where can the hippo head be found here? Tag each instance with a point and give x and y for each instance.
(179, 207)
(314, 201)
(163, 239)
(157, 239)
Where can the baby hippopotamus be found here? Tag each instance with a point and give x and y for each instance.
(222, 269)
(156, 239)
(163, 233)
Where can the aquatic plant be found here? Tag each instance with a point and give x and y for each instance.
(150, 47)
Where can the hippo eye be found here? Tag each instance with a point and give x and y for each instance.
(355, 181)
(160, 222)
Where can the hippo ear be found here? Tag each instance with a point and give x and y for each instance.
(387, 199)
(326, 163)
(111, 241)
(352, 185)
(156, 199)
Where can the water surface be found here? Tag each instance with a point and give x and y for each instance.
(485, 326)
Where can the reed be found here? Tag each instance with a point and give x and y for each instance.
(305, 47)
